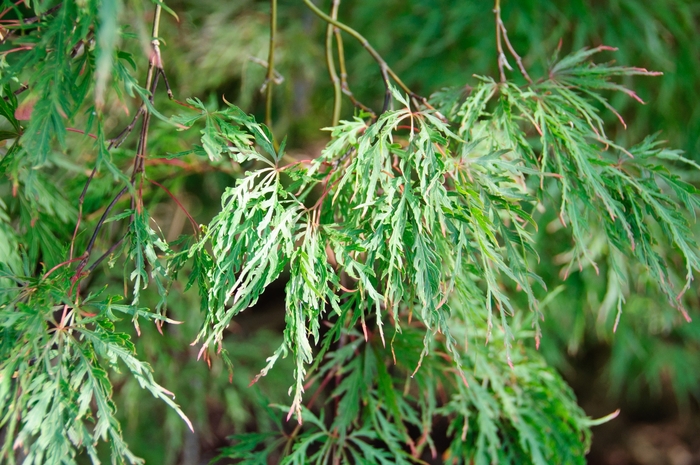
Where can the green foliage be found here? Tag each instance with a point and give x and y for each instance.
(55, 394)
(413, 250)
(520, 415)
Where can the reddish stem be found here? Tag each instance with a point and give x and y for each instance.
(7, 10)
(48, 273)
(79, 131)
(182, 207)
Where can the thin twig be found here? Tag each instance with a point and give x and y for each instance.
(179, 204)
(116, 142)
(155, 69)
(91, 244)
(360, 38)
(48, 12)
(105, 255)
(324, 383)
(279, 79)
(81, 200)
(269, 78)
(121, 137)
(337, 88)
(79, 131)
(502, 61)
(67, 262)
(140, 157)
(18, 49)
(502, 36)
(517, 57)
(25, 21)
(344, 75)
(7, 10)
(21, 89)
(85, 257)
(169, 90)
(154, 64)
(387, 88)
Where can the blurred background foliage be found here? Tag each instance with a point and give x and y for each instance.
(650, 367)
(437, 43)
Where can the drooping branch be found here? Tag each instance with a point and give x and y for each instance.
(155, 69)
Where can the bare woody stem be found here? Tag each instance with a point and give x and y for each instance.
(81, 201)
(25, 21)
(105, 255)
(121, 137)
(193, 223)
(154, 66)
(387, 90)
(337, 89)
(86, 255)
(270, 78)
(360, 38)
(499, 47)
(154, 69)
(502, 36)
(154, 61)
(344, 75)
(102, 220)
(518, 60)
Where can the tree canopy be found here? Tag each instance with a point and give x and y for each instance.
(464, 193)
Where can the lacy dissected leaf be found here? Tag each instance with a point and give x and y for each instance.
(56, 355)
(405, 205)
(630, 192)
